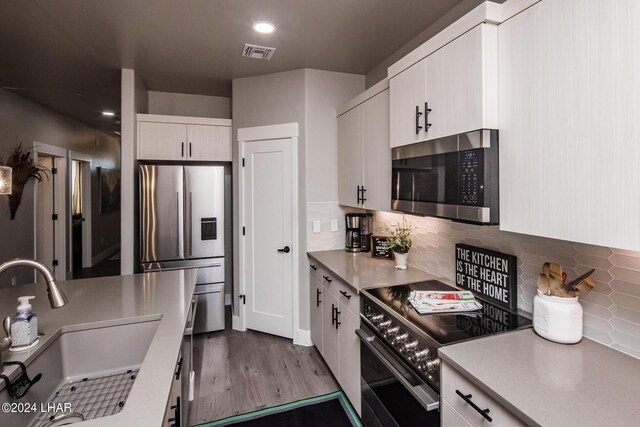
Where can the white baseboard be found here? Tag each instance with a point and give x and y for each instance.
(227, 299)
(237, 324)
(302, 337)
(105, 254)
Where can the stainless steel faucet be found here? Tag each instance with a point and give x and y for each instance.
(57, 298)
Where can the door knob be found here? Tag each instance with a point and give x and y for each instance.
(286, 250)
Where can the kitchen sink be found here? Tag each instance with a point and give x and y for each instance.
(86, 374)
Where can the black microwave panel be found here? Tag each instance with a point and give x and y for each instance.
(471, 177)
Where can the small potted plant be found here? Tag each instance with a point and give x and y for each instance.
(399, 241)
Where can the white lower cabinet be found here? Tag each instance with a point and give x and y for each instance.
(173, 412)
(333, 329)
(458, 398)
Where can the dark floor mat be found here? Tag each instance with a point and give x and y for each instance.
(331, 410)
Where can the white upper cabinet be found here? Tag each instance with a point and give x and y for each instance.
(406, 99)
(569, 132)
(364, 155)
(183, 138)
(451, 91)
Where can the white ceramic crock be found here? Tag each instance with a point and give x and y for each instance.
(557, 319)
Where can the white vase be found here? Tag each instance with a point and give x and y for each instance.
(401, 260)
(557, 319)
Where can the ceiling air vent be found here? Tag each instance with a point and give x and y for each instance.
(257, 52)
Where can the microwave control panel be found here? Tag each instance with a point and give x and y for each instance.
(471, 177)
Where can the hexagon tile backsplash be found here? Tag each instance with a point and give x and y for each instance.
(611, 310)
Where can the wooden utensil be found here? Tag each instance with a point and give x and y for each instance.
(555, 281)
(585, 286)
(572, 284)
(543, 284)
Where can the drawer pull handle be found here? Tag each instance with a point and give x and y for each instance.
(346, 295)
(327, 279)
(467, 398)
(313, 267)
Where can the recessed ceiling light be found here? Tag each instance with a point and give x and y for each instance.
(108, 113)
(264, 27)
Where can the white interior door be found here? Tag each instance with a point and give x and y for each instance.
(51, 239)
(268, 252)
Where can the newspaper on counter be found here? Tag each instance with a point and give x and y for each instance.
(429, 302)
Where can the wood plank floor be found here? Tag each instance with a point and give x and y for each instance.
(240, 372)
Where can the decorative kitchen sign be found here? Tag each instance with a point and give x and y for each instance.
(379, 247)
(488, 273)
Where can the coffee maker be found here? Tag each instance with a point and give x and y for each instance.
(352, 238)
(366, 229)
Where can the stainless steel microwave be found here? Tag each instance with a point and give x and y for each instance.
(454, 177)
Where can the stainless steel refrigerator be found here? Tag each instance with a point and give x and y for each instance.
(182, 226)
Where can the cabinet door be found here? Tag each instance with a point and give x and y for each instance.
(569, 108)
(316, 307)
(161, 141)
(329, 332)
(350, 173)
(377, 153)
(407, 91)
(450, 417)
(461, 87)
(349, 347)
(210, 143)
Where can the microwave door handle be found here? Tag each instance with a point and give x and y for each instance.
(425, 395)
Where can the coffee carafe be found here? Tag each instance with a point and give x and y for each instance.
(352, 238)
(366, 229)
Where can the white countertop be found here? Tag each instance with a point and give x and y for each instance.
(549, 384)
(360, 271)
(110, 301)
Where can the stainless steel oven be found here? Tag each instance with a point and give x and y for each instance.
(392, 394)
(454, 177)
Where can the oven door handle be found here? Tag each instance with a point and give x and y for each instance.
(422, 392)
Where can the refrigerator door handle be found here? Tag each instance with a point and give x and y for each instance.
(190, 229)
(178, 222)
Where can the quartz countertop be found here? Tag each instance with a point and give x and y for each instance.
(360, 271)
(110, 301)
(549, 384)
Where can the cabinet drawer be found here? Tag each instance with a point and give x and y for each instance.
(315, 272)
(330, 282)
(452, 381)
(450, 417)
(349, 298)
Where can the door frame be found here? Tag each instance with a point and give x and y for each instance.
(85, 160)
(61, 244)
(266, 133)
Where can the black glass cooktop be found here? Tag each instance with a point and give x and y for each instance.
(449, 328)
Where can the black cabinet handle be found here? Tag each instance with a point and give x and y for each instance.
(286, 249)
(467, 398)
(333, 314)
(182, 149)
(427, 110)
(318, 297)
(346, 295)
(327, 279)
(358, 199)
(313, 267)
(362, 198)
(179, 368)
(418, 114)
(337, 322)
(190, 150)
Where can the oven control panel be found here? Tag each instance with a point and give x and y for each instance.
(411, 350)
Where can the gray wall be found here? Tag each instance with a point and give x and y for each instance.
(183, 104)
(379, 72)
(134, 99)
(23, 120)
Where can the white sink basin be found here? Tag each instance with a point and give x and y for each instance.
(83, 356)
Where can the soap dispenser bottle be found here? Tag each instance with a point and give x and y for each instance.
(24, 325)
